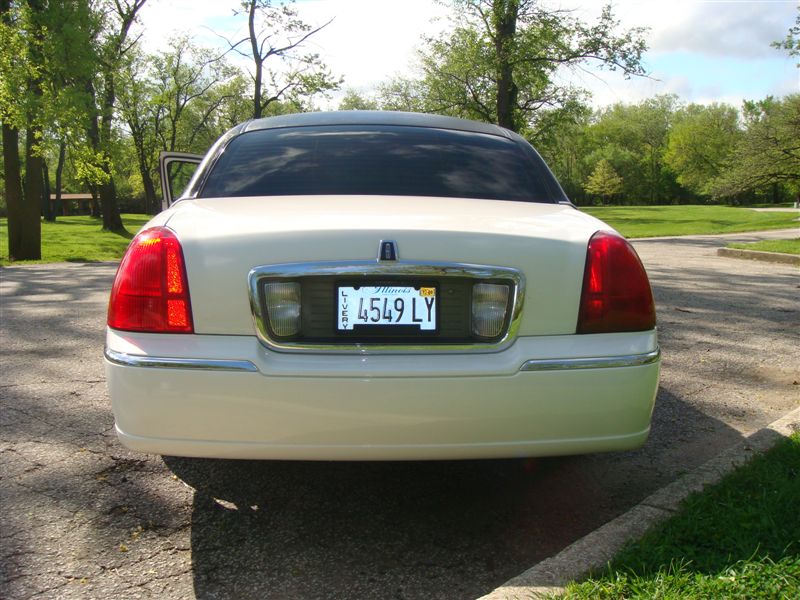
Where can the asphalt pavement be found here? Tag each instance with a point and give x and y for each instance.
(82, 517)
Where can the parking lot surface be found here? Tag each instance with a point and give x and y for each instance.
(82, 517)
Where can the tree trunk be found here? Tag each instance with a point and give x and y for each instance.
(31, 242)
(152, 205)
(259, 63)
(112, 221)
(151, 201)
(94, 205)
(62, 155)
(505, 22)
(47, 207)
(15, 203)
(106, 192)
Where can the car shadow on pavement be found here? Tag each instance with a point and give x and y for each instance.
(456, 529)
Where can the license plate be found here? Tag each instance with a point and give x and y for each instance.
(386, 305)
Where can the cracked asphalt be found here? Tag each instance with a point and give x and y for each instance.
(82, 517)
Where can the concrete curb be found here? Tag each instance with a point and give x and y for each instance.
(774, 257)
(704, 236)
(596, 549)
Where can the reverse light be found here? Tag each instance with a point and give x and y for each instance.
(150, 292)
(616, 293)
(489, 307)
(283, 307)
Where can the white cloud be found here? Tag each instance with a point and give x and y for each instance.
(163, 20)
(371, 40)
(728, 29)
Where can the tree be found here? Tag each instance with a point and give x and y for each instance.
(409, 95)
(354, 101)
(604, 181)
(700, 142)
(113, 45)
(499, 62)
(768, 153)
(633, 137)
(37, 100)
(277, 32)
(561, 137)
(24, 226)
(142, 115)
(171, 100)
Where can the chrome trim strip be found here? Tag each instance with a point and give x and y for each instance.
(389, 269)
(162, 362)
(600, 362)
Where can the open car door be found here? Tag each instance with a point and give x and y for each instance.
(176, 170)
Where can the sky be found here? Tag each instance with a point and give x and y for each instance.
(703, 51)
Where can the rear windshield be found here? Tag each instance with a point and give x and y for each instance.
(379, 160)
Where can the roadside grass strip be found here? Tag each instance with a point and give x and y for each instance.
(658, 221)
(77, 239)
(782, 246)
(739, 538)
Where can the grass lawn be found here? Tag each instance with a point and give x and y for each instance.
(737, 539)
(654, 221)
(784, 246)
(77, 239)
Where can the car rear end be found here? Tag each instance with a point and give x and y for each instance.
(374, 326)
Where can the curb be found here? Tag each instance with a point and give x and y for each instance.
(596, 549)
(774, 257)
(703, 236)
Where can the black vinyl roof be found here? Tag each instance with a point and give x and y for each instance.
(373, 117)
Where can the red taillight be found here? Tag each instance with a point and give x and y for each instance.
(616, 294)
(150, 291)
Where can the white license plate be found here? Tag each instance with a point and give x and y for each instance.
(386, 305)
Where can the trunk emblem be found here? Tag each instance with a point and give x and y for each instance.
(387, 250)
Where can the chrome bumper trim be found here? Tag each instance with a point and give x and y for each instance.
(162, 362)
(204, 364)
(387, 270)
(601, 362)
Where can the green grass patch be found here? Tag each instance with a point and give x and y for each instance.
(784, 246)
(737, 539)
(655, 221)
(77, 239)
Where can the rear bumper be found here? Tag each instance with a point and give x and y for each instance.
(229, 397)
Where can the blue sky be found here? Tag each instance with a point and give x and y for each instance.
(704, 51)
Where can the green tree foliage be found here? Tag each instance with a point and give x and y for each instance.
(604, 181)
(499, 63)
(768, 153)
(352, 100)
(282, 69)
(45, 52)
(633, 138)
(700, 142)
(561, 138)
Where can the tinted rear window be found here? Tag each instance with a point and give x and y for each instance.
(378, 160)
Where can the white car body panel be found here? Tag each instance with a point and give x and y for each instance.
(382, 407)
(223, 238)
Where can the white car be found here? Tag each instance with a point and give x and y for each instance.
(377, 285)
